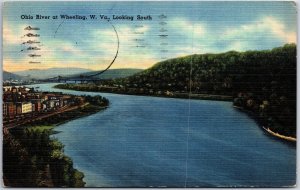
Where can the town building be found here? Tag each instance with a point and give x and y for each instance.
(24, 107)
(9, 109)
(5, 112)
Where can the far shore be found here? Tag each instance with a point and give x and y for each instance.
(199, 97)
(178, 95)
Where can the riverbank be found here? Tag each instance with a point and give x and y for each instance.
(141, 92)
(58, 119)
(267, 129)
(132, 118)
(291, 139)
(31, 158)
(168, 94)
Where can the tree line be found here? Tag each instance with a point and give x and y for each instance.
(263, 82)
(32, 159)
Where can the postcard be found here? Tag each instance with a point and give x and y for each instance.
(149, 94)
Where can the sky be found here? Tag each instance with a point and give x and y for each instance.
(189, 28)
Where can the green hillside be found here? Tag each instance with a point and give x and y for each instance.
(111, 73)
(225, 73)
(263, 82)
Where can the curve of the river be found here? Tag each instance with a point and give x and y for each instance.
(161, 142)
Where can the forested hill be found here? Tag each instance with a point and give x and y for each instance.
(261, 81)
(224, 73)
(111, 73)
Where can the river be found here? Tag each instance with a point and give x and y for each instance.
(144, 141)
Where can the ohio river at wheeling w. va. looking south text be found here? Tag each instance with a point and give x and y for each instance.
(162, 142)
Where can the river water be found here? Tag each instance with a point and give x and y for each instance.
(162, 142)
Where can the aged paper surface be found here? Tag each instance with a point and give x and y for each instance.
(149, 94)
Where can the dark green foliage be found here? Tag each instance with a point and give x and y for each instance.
(18, 170)
(225, 73)
(97, 100)
(32, 159)
(263, 82)
(110, 74)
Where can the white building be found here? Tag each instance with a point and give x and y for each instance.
(26, 107)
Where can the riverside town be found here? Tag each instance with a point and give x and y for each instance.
(22, 105)
(20, 102)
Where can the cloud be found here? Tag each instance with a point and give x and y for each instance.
(129, 54)
(98, 46)
(185, 26)
(280, 30)
(13, 37)
(196, 37)
(127, 34)
(267, 28)
(12, 65)
(56, 46)
(68, 47)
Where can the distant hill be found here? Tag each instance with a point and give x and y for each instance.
(11, 76)
(52, 72)
(111, 73)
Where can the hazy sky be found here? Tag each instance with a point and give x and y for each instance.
(191, 28)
